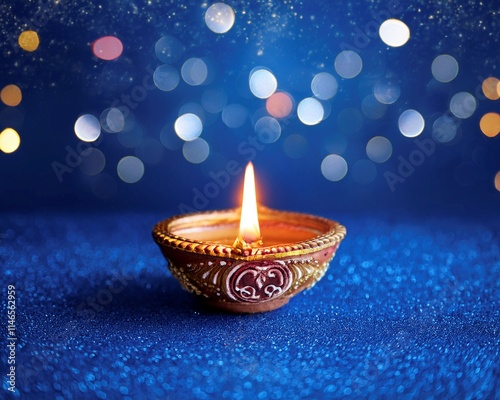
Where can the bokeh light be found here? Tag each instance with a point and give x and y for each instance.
(87, 128)
(411, 123)
(310, 111)
(262, 83)
(107, 48)
(130, 169)
(234, 115)
(491, 88)
(334, 167)
(379, 149)
(29, 40)
(196, 151)
(490, 124)
(9, 140)
(194, 71)
(268, 130)
(497, 181)
(394, 33)
(188, 126)
(219, 18)
(279, 105)
(93, 163)
(372, 108)
(168, 49)
(295, 146)
(112, 120)
(463, 105)
(166, 77)
(11, 95)
(444, 68)
(444, 129)
(363, 172)
(324, 86)
(387, 91)
(348, 64)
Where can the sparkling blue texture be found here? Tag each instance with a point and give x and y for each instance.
(409, 308)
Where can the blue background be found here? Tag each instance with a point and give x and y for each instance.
(408, 308)
(63, 80)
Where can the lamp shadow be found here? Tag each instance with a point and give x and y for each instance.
(143, 295)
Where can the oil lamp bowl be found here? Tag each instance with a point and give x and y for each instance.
(297, 249)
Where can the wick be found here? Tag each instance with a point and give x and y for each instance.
(242, 244)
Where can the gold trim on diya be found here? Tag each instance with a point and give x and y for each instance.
(276, 254)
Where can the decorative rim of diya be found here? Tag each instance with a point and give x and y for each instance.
(329, 233)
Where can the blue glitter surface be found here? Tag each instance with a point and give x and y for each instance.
(408, 308)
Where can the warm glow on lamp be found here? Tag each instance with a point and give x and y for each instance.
(249, 233)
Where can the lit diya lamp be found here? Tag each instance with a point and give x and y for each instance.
(251, 259)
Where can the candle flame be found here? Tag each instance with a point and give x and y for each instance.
(249, 221)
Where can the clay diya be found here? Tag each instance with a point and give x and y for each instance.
(249, 259)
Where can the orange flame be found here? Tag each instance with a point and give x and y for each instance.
(249, 220)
